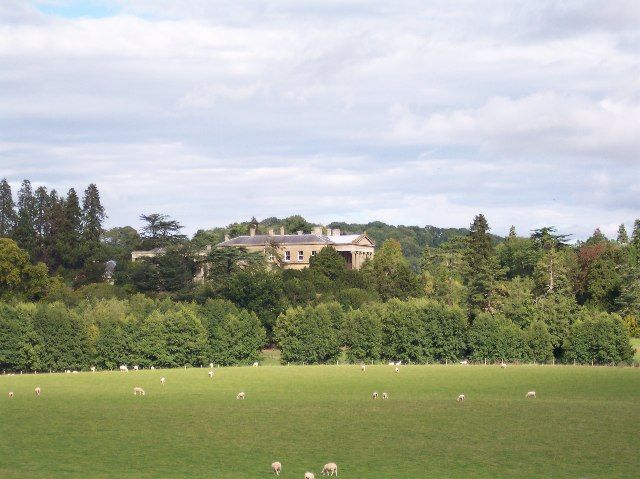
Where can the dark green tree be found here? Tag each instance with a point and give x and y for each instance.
(7, 212)
(391, 274)
(160, 230)
(93, 216)
(481, 270)
(24, 232)
(623, 237)
(329, 263)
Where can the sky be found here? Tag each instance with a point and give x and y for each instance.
(408, 112)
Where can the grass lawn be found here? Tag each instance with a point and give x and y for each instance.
(585, 423)
(635, 342)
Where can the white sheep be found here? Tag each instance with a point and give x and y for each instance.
(464, 362)
(136, 367)
(240, 395)
(210, 373)
(364, 368)
(309, 475)
(93, 369)
(124, 369)
(330, 469)
(385, 396)
(152, 368)
(211, 365)
(276, 467)
(503, 365)
(461, 398)
(397, 370)
(256, 364)
(391, 363)
(398, 363)
(74, 371)
(530, 394)
(162, 380)
(10, 394)
(38, 391)
(67, 371)
(374, 395)
(138, 391)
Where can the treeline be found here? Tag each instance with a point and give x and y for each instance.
(140, 330)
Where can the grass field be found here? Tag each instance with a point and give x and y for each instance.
(635, 342)
(585, 423)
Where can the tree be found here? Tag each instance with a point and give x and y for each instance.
(598, 337)
(237, 338)
(362, 333)
(186, 337)
(24, 231)
(160, 230)
(7, 212)
(68, 235)
(19, 347)
(329, 263)
(635, 235)
(623, 237)
(93, 215)
(481, 266)
(539, 341)
(391, 274)
(496, 338)
(220, 263)
(18, 277)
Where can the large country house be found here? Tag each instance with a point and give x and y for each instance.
(294, 251)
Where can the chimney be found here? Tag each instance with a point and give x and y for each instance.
(252, 231)
(226, 237)
(282, 231)
(317, 230)
(299, 233)
(270, 231)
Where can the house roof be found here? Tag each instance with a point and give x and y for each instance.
(263, 240)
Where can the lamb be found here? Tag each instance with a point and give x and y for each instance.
(153, 368)
(211, 365)
(503, 365)
(364, 368)
(330, 469)
(374, 395)
(397, 370)
(464, 362)
(93, 369)
(10, 394)
(38, 391)
(461, 398)
(531, 394)
(385, 396)
(255, 365)
(135, 368)
(137, 391)
(124, 369)
(240, 395)
(162, 380)
(276, 467)
(309, 475)
(210, 374)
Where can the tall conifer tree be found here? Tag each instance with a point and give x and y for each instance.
(623, 237)
(93, 215)
(7, 212)
(24, 232)
(481, 266)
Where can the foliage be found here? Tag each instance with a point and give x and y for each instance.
(598, 337)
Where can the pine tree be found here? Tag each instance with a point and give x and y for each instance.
(40, 223)
(635, 236)
(24, 232)
(481, 266)
(93, 215)
(7, 212)
(623, 237)
(68, 240)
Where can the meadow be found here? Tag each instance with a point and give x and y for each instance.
(584, 423)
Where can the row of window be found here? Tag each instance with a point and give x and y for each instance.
(287, 256)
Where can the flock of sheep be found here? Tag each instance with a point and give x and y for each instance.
(329, 469)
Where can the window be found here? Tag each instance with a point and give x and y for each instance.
(313, 253)
(287, 255)
(300, 255)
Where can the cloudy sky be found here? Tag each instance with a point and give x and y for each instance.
(410, 112)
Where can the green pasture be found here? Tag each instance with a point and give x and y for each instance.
(635, 342)
(585, 423)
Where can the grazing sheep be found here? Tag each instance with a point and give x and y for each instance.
(374, 395)
(530, 394)
(364, 368)
(124, 369)
(38, 391)
(464, 362)
(211, 365)
(397, 370)
(93, 369)
(74, 372)
(391, 363)
(240, 396)
(138, 391)
(162, 380)
(330, 469)
(135, 368)
(210, 374)
(276, 467)
(67, 371)
(10, 394)
(399, 363)
(153, 368)
(503, 365)
(256, 364)
(461, 398)
(309, 475)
